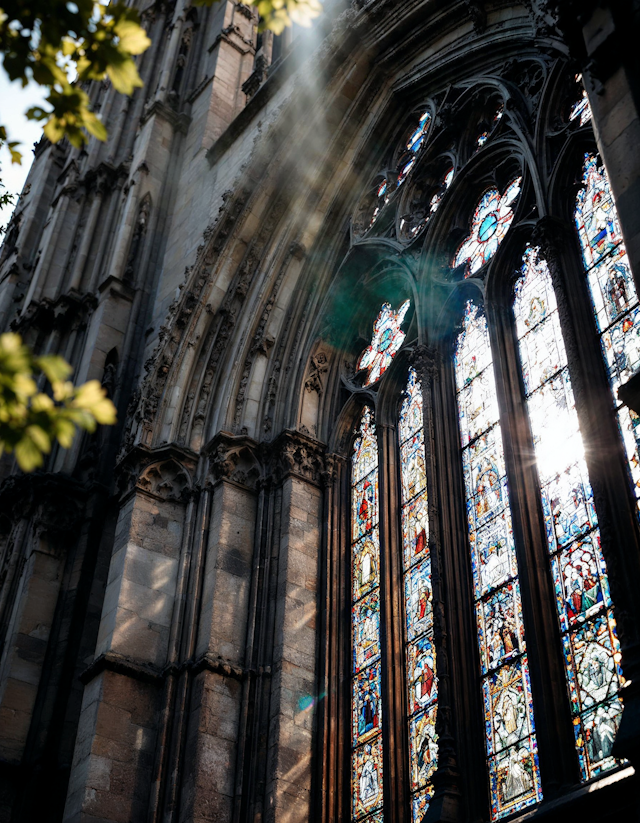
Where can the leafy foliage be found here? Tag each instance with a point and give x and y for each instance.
(60, 44)
(30, 419)
(276, 15)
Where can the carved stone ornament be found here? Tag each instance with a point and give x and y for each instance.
(550, 236)
(427, 362)
(234, 458)
(294, 453)
(164, 473)
(256, 78)
(478, 14)
(167, 480)
(317, 367)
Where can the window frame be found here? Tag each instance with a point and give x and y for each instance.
(457, 652)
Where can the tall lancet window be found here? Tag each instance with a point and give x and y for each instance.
(416, 563)
(366, 705)
(510, 738)
(590, 646)
(613, 294)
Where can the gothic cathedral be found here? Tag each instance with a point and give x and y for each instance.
(364, 546)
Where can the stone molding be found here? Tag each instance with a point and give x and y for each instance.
(234, 458)
(298, 455)
(68, 310)
(179, 121)
(166, 473)
(148, 673)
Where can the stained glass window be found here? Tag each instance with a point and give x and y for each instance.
(491, 220)
(613, 295)
(422, 683)
(511, 744)
(413, 145)
(581, 109)
(366, 704)
(590, 646)
(437, 197)
(422, 209)
(385, 342)
(381, 200)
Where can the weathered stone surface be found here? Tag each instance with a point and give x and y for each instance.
(175, 590)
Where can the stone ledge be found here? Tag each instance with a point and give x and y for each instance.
(147, 673)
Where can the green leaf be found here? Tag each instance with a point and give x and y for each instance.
(95, 126)
(93, 398)
(16, 156)
(37, 113)
(133, 38)
(124, 76)
(28, 455)
(54, 367)
(65, 432)
(40, 437)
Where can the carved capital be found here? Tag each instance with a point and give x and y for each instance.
(165, 473)
(234, 458)
(294, 453)
(550, 237)
(427, 362)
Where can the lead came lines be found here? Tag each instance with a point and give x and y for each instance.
(366, 705)
(422, 683)
(510, 739)
(590, 645)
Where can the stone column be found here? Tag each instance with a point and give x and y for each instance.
(88, 236)
(111, 774)
(603, 37)
(212, 723)
(298, 466)
(51, 513)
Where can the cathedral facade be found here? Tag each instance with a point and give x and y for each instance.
(364, 544)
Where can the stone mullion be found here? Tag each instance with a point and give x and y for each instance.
(173, 721)
(604, 44)
(462, 719)
(394, 711)
(552, 715)
(333, 711)
(607, 464)
(254, 713)
(445, 804)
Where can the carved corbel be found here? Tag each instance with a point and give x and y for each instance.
(234, 458)
(165, 473)
(427, 362)
(298, 454)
